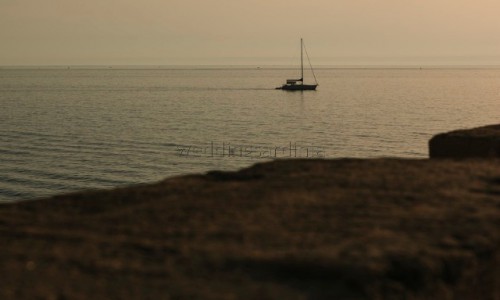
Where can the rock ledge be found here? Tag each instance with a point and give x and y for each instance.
(468, 143)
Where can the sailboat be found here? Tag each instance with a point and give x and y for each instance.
(298, 84)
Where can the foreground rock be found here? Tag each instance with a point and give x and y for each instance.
(478, 142)
(315, 229)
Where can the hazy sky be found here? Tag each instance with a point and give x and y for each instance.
(166, 32)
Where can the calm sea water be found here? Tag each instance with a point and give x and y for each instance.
(64, 130)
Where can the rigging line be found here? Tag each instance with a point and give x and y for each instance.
(310, 64)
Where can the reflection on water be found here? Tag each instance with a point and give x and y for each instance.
(65, 130)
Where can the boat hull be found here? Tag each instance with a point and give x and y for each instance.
(298, 87)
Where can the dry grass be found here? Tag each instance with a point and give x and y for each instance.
(339, 229)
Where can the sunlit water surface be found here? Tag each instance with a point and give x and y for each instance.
(64, 130)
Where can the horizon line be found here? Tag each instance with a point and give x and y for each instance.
(258, 66)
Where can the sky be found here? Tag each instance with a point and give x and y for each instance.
(253, 32)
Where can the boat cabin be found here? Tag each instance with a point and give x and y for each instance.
(293, 81)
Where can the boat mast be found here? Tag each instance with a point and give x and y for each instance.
(301, 62)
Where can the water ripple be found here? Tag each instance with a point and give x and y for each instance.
(66, 130)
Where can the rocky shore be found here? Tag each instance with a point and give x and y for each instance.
(287, 229)
(481, 142)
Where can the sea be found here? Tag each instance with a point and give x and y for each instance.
(66, 129)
